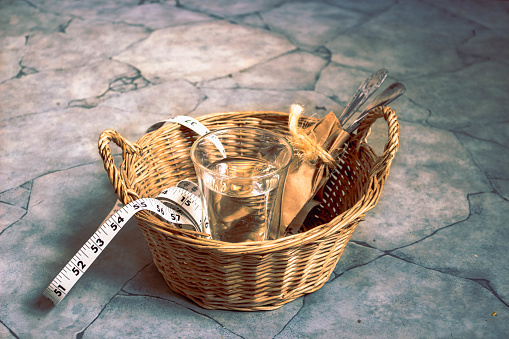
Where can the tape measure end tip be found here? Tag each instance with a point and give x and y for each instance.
(45, 303)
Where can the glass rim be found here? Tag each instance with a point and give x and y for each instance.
(265, 131)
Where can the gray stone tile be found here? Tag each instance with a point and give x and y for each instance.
(473, 249)
(254, 19)
(407, 110)
(336, 82)
(18, 196)
(121, 318)
(226, 8)
(231, 100)
(149, 282)
(491, 157)
(24, 18)
(91, 8)
(11, 54)
(5, 333)
(164, 100)
(391, 298)
(13, 205)
(486, 46)
(405, 52)
(490, 13)
(490, 132)
(9, 214)
(296, 71)
(298, 21)
(199, 52)
(61, 89)
(354, 256)
(427, 189)
(82, 43)
(456, 100)
(501, 187)
(341, 83)
(373, 7)
(51, 236)
(154, 15)
(226, 82)
(75, 143)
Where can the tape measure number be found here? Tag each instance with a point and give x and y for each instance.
(184, 203)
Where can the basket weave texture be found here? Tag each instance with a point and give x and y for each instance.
(249, 276)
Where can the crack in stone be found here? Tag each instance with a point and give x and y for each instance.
(27, 114)
(481, 139)
(364, 20)
(120, 85)
(28, 186)
(80, 334)
(127, 84)
(324, 53)
(263, 62)
(325, 56)
(472, 157)
(142, 2)
(60, 170)
(204, 97)
(211, 15)
(482, 282)
(123, 293)
(438, 229)
(31, 4)
(294, 316)
(62, 27)
(487, 285)
(67, 168)
(463, 56)
(364, 244)
(257, 14)
(42, 10)
(10, 331)
(11, 225)
(203, 83)
(25, 70)
(129, 294)
(356, 266)
(456, 15)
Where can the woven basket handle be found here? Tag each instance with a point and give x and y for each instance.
(382, 165)
(125, 195)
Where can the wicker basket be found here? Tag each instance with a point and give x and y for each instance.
(257, 275)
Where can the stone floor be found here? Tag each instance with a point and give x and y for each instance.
(431, 260)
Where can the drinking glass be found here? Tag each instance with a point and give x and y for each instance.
(241, 182)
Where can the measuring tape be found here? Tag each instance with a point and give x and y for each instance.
(180, 205)
(176, 205)
(199, 128)
(186, 205)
